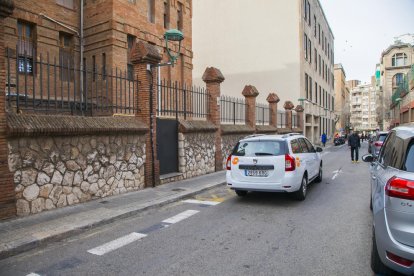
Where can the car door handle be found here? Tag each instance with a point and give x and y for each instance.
(373, 177)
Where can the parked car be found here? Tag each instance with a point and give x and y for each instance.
(274, 163)
(375, 143)
(339, 141)
(392, 203)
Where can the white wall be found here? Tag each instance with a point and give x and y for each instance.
(251, 42)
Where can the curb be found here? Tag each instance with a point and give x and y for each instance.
(35, 243)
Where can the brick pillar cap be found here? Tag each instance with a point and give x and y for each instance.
(288, 105)
(6, 8)
(299, 108)
(250, 91)
(272, 98)
(213, 75)
(144, 52)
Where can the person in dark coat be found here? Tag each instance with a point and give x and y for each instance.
(323, 138)
(354, 144)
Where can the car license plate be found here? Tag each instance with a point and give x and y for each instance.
(259, 173)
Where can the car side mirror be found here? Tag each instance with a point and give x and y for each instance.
(368, 158)
(319, 149)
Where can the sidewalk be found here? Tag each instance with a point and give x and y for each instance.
(22, 234)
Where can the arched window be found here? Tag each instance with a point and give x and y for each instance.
(399, 59)
(398, 79)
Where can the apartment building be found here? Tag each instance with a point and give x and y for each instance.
(342, 107)
(363, 102)
(396, 62)
(98, 35)
(286, 47)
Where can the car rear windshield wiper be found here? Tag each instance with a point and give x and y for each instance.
(263, 153)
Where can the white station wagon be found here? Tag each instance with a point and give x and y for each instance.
(274, 163)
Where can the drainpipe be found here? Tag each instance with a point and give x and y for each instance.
(81, 80)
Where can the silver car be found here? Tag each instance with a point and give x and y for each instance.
(392, 203)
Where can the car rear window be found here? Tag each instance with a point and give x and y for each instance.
(382, 137)
(409, 160)
(260, 148)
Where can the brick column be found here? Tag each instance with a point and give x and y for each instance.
(299, 111)
(213, 78)
(273, 99)
(7, 191)
(250, 93)
(143, 56)
(288, 106)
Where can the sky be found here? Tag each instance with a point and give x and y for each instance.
(363, 29)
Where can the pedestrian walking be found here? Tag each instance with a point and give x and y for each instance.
(323, 139)
(354, 144)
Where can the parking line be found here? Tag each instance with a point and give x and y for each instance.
(115, 244)
(180, 216)
(204, 202)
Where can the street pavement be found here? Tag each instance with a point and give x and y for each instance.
(214, 232)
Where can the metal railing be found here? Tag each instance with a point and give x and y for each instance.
(232, 110)
(262, 114)
(53, 86)
(295, 119)
(281, 119)
(176, 100)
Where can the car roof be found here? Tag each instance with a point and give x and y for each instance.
(405, 132)
(267, 137)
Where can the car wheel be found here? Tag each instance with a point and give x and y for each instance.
(376, 264)
(301, 193)
(319, 178)
(241, 193)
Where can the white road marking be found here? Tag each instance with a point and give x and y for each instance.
(33, 274)
(181, 216)
(336, 173)
(206, 202)
(115, 244)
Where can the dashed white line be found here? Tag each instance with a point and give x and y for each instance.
(204, 202)
(115, 244)
(33, 274)
(180, 216)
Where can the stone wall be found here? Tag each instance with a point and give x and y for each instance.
(56, 171)
(196, 152)
(227, 144)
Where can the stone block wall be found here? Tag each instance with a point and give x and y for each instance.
(56, 171)
(227, 144)
(196, 151)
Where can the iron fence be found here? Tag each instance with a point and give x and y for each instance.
(232, 110)
(281, 119)
(295, 118)
(262, 114)
(38, 84)
(176, 100)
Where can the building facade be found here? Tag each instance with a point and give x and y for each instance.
(395, 66)
(342, 103)
(363, 102)
(96, 35)
(285, 47)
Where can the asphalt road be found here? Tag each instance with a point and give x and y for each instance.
(262, 234)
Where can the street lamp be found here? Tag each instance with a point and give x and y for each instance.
(173, 35)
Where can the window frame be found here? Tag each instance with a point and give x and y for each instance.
(398, 56)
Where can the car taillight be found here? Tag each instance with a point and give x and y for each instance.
(378, 144)
(400, 188)
(289, 163)
(228, 163)
(399, 260)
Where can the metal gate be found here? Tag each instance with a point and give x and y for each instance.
(167, 145)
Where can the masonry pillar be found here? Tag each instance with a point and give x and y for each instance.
(213, 78)
(273, 99)
(299, 112)
(144, 56)
(288, 106)
(7, 191)
(250, 93)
